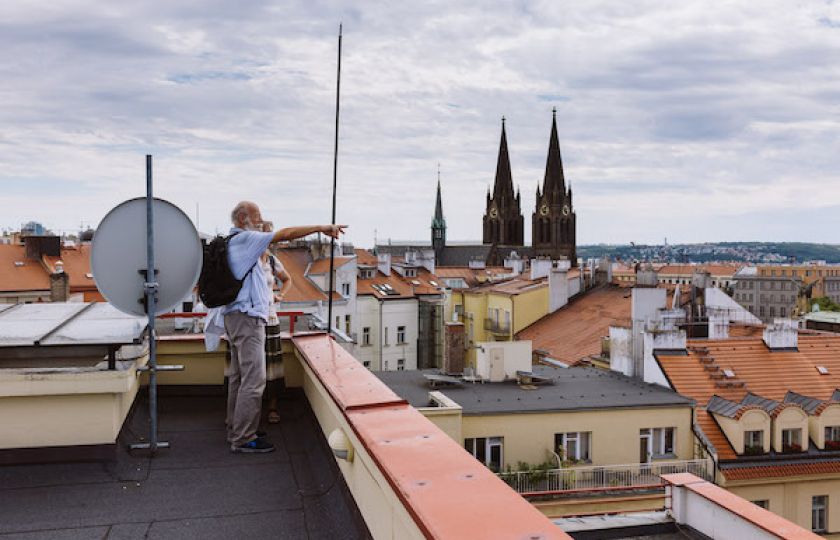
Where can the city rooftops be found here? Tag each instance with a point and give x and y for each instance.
(571, 389)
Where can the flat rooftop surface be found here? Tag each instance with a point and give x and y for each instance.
(196, 489)
(574, 388)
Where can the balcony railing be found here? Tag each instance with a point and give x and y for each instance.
(635, 475)
(497, 327)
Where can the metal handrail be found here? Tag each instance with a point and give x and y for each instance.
(292, 315)
(496, 326)
(635, 475)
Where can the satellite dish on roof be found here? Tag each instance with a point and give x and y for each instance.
(118, 255)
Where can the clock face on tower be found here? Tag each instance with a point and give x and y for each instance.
(494, 213)
(544, 210)
(565, 209)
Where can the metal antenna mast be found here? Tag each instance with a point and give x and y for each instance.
(335, 182)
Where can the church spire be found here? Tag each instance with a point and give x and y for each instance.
(554, 181)
(503, 187)
(438, 222)
(438, 219)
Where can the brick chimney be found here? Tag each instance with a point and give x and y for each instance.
(59, 284)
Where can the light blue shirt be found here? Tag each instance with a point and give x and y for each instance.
(244, 251)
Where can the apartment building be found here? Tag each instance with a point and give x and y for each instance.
(770, 291)
(722, 275)
(768, 412)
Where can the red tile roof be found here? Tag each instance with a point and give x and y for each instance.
(77, 265)
(472, 276)
(31, 276)
(322, 266)
(782, 470)
(574, 331)
(764, 373)
(295, 260)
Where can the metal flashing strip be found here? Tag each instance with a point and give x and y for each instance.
(62, 324)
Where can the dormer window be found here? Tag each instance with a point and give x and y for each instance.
(728, 373)
(832, 437)
(410, 272)
(345, 289)
(754, 442)
(822, 370)
(791, 440)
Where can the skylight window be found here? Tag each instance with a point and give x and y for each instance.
(18, 263)
(728, 373)
(433, 283)
(415, 282)
(823, 370)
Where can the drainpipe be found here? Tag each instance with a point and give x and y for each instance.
(381, 332)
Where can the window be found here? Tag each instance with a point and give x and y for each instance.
(410, 272)
(459, 313)
(754, 442)
(345, 289)
(386, 337)
(832, 437)
(337, 322)
(401, 334)
(488, 450)
(792, 440)
(772, 311)
(761, 311)
(347, 324)
(401, 364)
(763, 503)
(366, 363)
(366, 335)
(782, 312)
(574, 446)
(661, 441)
(819, 511)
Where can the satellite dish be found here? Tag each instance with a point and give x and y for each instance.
(118, 255)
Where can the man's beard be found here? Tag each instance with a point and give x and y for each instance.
(248, 225)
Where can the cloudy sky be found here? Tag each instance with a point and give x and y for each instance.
(695, 120)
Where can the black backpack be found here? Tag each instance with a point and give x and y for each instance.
(217, 285)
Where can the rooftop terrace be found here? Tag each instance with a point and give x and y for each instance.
(196, 489)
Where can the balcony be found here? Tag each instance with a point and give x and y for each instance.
(611, 477)
(497, 327)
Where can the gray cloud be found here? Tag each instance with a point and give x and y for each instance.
(669, 115)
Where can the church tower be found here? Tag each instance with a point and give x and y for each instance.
(554, 218)
(503, 221)
(438, 224)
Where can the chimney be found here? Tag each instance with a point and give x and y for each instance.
(39, 246)
(540, 268)
(718, 322)
(515, 263)
(454, 348)
(383, 263)
(427, 260)
(558, 285)
(647, 278)
(782, 335)
(59, 285)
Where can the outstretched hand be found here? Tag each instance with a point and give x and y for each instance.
(334, 231)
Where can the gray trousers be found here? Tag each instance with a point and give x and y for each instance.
(246, 377)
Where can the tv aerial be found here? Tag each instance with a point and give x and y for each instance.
(146, 257)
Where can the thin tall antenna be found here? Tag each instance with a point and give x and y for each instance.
(335, 182)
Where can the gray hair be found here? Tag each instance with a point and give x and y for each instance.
(240, 212)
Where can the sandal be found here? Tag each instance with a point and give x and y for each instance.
(273, 417)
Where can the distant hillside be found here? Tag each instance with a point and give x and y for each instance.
(755, 252)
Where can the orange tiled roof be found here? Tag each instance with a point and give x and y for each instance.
(322, 266)
(295, 261)
(472, 276)
(687, 269)
(764, 373)
(31, 276)
(364, 256)
(782, 470)
(77, 265)
(402, 289)
(574, 331)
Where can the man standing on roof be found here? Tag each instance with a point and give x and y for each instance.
(245, 319)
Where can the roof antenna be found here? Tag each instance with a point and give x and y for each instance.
(335, 181)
